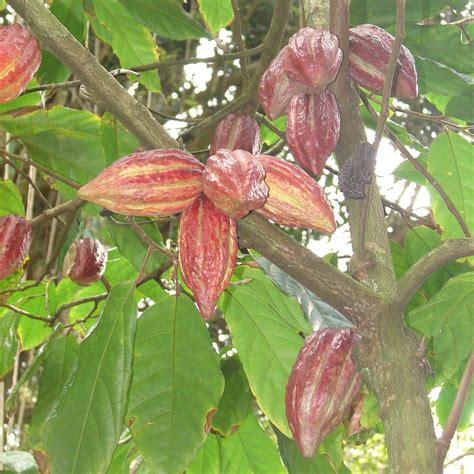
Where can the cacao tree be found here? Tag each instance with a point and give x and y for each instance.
(171, 172)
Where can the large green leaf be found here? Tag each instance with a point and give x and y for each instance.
(442, 43)
(85, 426)
(70, 14)
(65, 140)
(176, 384)
(267, 344)
(166, 18)
(60, 359)
(444, 406)
(250, 450)
(11, 201)
(207, 460)
(450, 162)
(216, 13)
(448, 318)
(131, 42)
(383, 12)
(8, 340)
(236, 400)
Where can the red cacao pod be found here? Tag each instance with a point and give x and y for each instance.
(20, 58)
(313, 129)
(237, 132)
(276, 90)
(234, 182)
(85, 261)
(312, 59)
(321, 388)
(295, 199)
(369, 52)
(15, 241)
(148, 183)
(207, 244)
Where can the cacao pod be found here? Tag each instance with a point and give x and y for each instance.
(148, 183)
(207, 245)
(85, 261)
(313, 129)
(295, 199)
(322, 386)
(20, 58)
(369, 52)
(234, 182)
(237, 132)
(15, 241)
(276, 90)
(312, 59)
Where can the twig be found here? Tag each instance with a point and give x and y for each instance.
(25, 313)
(461, 456)
(212, 59)
(88, 299)
(171, 117)
(456, 411)
(48, 214)
(42, 168)
(149, 241)
(416, 164)
(412, 280)
(89, 315)
(237, 34)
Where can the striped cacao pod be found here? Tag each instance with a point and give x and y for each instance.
(276, 90)
(148, 183)
(313, 129)
(322, 386)
(369, 52)
(235, 182)
(85, 261)
(295, 199)
(20, 58)
(312, 59)
(237, 132)
(15, 241)
(207, 245)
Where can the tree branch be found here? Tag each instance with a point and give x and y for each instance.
(48, 214)
(26, 313)
(456, 411)
(413, 279)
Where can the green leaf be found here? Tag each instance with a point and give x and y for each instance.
(8, 340)
(216, 13)
(131, 42)
(121, 459)
(70, 14)
(370, 417)
(267, 344)
(207, 460)
(445, 402)
(132, 247)
(117, 141)
(21, 462)
(118, 268)
(459, 107)
(448, 318)
(176, 384)
(441, 43)
(250, 450)
(236, 400)
(296, 463)
(166, 18)
(268, 136)
(450, 162)
(90, 412)
(65, 140)
(11, 201)
(60, 359)
(319, 314)
(434, 77)
(407, 171)
(383, 12)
